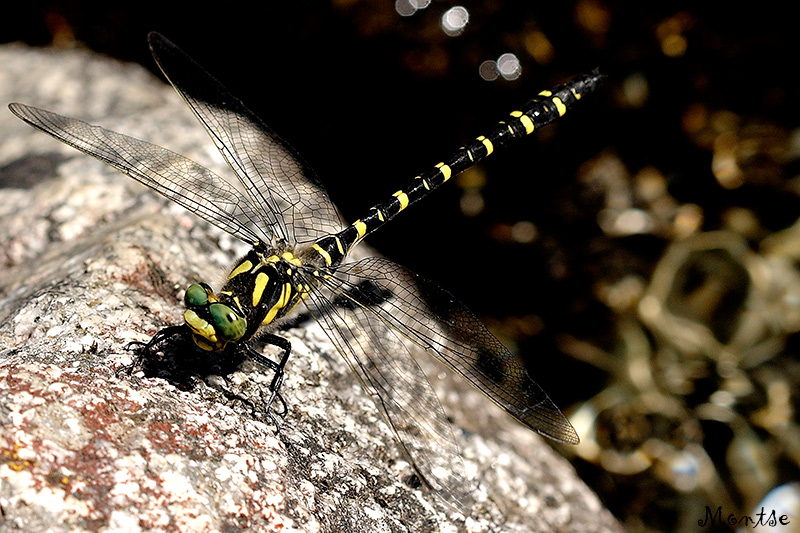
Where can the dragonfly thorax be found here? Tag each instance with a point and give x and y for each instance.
(263, 286)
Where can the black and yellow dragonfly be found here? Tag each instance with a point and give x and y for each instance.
(373, 310)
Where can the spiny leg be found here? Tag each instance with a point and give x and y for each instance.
(277, 380)
(144, 348)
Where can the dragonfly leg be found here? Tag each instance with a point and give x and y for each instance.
(142, 349)
(275, 407)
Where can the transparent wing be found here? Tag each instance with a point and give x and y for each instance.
(176, 177)
(289, 198)
(388, 372)
(432, 318)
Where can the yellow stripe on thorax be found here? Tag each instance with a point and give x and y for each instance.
(241, 268)
(290, 257)
(286, 293)
(258, 288)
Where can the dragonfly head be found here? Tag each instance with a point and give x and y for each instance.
(213, 323)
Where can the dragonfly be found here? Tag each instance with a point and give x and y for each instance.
(374, 311)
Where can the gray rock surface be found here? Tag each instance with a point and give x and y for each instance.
(90, 260)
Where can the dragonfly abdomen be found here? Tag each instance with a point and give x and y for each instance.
(540, 111)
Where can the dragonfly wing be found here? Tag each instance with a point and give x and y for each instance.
(432, 318)
(380, 358)
(291, 201)
(172, 175)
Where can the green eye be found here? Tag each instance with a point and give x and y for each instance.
(229, 326)
(196, 295)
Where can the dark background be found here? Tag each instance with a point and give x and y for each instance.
(371, 98)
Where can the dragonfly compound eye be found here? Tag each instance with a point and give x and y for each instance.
(196, 296)
(213, 325)
(229, 326)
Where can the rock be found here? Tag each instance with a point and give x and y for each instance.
(90, 261)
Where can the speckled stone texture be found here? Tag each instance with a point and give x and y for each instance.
(90, 260)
